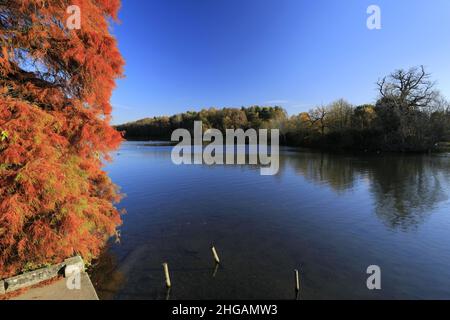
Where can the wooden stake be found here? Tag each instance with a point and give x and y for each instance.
(215, 255)
(297, 280)
(166, 273)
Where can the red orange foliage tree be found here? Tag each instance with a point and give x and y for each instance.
(55, 87)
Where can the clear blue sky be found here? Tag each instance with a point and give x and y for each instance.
(190, 54)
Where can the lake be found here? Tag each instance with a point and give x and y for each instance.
(328, 215)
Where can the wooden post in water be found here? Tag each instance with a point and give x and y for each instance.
(297, 281)
(215, 255)
(167, 275)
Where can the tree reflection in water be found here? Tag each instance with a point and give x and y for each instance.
(105, 275)
(405, 188)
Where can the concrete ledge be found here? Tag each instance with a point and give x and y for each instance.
(32, 278)
(73, 265)
(69, 267)
(2, 287)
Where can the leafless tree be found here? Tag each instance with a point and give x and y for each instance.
(317, 116)
(410, 89)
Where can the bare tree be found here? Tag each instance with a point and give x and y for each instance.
(317, 116)
(410, 89)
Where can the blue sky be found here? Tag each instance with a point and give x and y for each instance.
(190, 54)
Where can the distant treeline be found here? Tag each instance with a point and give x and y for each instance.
(410, 115)
(227, 118)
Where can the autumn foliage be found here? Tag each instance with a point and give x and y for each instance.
(55, 87)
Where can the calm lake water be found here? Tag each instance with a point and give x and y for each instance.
(331, 216)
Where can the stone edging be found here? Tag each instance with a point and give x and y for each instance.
(32, 278)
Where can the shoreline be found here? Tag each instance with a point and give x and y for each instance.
(441, 147)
